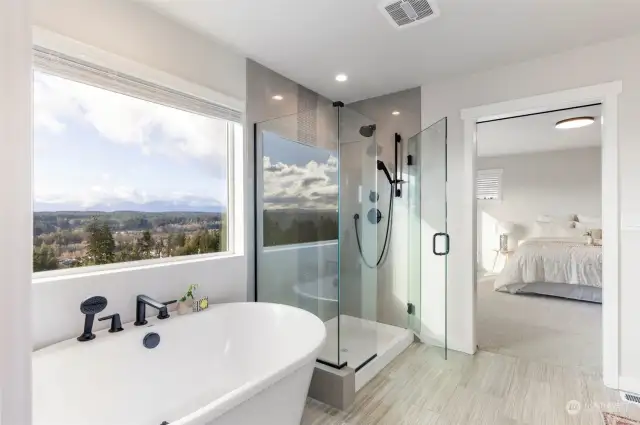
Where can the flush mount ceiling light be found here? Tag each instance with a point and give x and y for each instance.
(342, 78)
(576, 122)
(277, 97)
(396, 113)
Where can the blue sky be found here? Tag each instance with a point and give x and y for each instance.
(96, 149)
(88, 150)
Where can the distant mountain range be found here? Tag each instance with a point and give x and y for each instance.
(183, 205)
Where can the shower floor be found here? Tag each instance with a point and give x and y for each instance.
(360, 339)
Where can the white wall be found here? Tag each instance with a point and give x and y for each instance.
(141, 40)
(557, 183)
(56, 301)
(616, 60)
(15, 213)
(128, 29)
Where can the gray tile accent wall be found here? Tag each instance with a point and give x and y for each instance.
(307, 116)
(314, 127)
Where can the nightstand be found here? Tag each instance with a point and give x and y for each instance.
(499, 252)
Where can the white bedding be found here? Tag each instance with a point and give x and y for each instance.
(552, 260)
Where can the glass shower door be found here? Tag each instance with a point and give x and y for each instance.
(428, 238)
(414, 306)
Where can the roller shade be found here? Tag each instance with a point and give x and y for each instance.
(75, 69)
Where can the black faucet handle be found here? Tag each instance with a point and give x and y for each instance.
(164, 313)
(116, 324)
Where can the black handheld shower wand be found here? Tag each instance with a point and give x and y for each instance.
(383, 168)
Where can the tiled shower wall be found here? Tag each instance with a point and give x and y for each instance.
(316, 125)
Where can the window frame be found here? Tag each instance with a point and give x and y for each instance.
(236, 146)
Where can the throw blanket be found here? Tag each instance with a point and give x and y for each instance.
(552, 260)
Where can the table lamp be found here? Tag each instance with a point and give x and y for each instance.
(505, 228)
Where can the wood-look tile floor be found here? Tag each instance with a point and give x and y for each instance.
(421, 388)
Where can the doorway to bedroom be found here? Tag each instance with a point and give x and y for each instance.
(539, 236)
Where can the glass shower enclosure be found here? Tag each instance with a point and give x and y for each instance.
(324, 206)
(317, 220)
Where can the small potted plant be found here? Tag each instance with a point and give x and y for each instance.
(589, 235)
(186, 302)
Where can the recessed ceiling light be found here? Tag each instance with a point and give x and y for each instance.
(395, 113)
(342, 78)
(576, 122)
(277, 97)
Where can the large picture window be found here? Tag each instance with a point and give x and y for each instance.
(119, 178)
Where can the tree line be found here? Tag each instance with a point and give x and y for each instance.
(102, 248)
(306, 228)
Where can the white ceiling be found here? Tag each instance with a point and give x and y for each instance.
(537, 133)
(310, 41)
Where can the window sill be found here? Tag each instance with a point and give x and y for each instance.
(291, 247)
(84, 272)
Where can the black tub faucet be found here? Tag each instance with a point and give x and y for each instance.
(142, 301)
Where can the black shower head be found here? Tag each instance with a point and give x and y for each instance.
(367, 130)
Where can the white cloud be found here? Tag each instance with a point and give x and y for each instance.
(313, 186)
(123, 119)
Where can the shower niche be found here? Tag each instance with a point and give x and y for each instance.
(325, 205)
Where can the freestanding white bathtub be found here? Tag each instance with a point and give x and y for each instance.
(234, 364)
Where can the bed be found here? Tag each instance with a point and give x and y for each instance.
(557, 266)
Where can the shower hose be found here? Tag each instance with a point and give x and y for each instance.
(385, 251)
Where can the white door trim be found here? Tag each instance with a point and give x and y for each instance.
(607, 94)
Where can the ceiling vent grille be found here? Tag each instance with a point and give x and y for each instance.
(407, 13)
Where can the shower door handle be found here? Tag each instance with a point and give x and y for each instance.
(446, 246)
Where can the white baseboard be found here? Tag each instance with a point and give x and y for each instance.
(628, 384)
(451, 344)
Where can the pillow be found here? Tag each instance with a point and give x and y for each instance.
(553, 229)
(595, 228)
(549, 218)
(589, 219)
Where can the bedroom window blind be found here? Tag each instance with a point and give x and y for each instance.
(489, 184)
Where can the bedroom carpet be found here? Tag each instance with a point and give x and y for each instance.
(544, 329)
